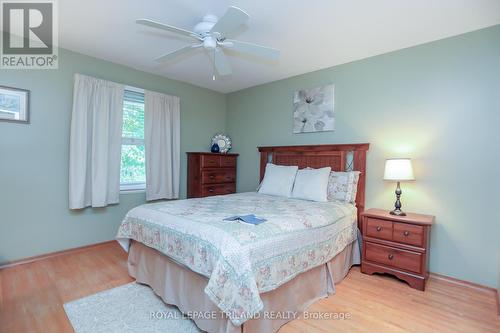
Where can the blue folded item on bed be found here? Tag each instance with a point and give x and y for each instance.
(252, 219)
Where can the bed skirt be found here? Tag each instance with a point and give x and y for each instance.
(179, 286)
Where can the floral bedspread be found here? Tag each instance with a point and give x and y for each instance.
(242, 260)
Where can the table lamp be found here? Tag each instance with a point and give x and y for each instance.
(398, 169)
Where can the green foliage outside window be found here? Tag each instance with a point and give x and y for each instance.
(133, 120)
(133, 168)
(133, 164)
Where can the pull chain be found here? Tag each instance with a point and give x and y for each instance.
(213, 68)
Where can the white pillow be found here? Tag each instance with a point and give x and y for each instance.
(343, 186)
(278, 180)
(311, 184)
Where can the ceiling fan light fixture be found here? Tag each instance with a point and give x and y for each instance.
(209, 43)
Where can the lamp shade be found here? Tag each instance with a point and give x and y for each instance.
(398, 169)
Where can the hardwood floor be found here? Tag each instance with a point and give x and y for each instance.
(380, 303)
(32, 295)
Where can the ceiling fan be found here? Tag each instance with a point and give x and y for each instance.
(210, 35)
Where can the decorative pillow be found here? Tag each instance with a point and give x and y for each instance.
(311, 184)
(343, 186)
(278, 180)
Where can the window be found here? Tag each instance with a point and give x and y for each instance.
(133, 167)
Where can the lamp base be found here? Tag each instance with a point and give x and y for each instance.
(397, 205)
(397, 212)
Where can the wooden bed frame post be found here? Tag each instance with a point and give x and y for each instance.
(263, 161)
(320, 156)
(359, 164)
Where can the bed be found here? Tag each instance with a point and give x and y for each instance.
(235, 277)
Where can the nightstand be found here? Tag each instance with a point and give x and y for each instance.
(397, 245)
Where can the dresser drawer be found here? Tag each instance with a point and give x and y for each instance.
(408, 234)
(218, 176)
(228, 161)
(402, 259)
(209, 190)
(210, 161)
(376, 228)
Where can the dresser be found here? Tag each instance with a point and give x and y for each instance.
(398, 245)
(211, 174)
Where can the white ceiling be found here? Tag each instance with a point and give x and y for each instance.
(311, 34)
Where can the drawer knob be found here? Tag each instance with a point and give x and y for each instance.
(379, 228)
(390, 256)
(406, 233)
(210, 190)
(211, 177)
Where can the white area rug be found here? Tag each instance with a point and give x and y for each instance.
(129, 308)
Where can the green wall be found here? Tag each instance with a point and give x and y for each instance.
(438, 103)
(34, 214)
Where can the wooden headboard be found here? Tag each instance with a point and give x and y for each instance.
(343, 157)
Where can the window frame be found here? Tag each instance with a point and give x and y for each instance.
(132, 186)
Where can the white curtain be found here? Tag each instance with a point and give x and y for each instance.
(162, 145)
(95, 142)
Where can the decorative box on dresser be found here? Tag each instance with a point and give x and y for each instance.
(211, 174)
(398, 245)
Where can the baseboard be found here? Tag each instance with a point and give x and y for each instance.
(52, 254)
(463, 283)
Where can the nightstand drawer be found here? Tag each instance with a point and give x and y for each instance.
(402, 259)
(378, 228)
(408, 233)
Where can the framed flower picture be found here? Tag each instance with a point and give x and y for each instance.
(313, 110)
(14, 105)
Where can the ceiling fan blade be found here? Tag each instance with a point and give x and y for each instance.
(158, 25)
(232, 19)
(250, 48)
(221, 63)
(172, 55)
